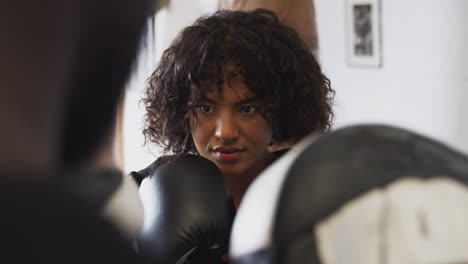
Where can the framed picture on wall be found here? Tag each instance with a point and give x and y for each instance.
(363, 33)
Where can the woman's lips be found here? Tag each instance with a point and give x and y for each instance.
(227, 155)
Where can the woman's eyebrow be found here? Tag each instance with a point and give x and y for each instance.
(203, 99)
(207, 100)
(249, 100)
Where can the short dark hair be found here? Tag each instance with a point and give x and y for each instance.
(108, 39)
(276, 63)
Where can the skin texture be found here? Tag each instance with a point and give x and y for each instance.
(227, 120)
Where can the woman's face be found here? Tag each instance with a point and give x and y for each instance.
(230, 130)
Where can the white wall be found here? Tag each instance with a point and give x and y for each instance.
(421, 85)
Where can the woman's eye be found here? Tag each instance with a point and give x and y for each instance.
(248, 109)
(205, 108)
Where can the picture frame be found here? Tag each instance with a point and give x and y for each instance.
(363, 33)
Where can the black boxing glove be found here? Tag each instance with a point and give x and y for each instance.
(188, 212)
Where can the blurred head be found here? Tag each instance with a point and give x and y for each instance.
(37, 46)
(262, 83)
(108, 44)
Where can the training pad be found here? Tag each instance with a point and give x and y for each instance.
(410, 221)
(343, 165)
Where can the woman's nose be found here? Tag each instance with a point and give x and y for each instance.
(226, 127)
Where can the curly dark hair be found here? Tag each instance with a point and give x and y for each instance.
(275, 62)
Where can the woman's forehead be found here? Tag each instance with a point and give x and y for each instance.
(231, 80)
(236, 90)
(230, 90)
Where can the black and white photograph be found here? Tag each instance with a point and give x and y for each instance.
(363, 33)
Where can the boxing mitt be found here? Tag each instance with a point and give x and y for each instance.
(188, 212)
(362, 194)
